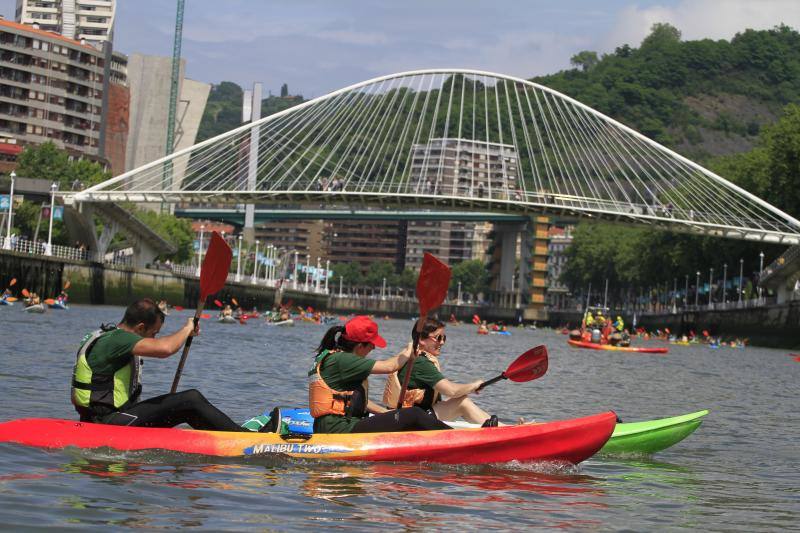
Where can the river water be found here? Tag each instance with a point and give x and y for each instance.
(739, 471)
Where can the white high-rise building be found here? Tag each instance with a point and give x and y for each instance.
(461, 167)
(89, 20)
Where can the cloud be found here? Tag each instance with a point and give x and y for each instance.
(701, 19)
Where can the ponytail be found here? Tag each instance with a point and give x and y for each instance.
(334, 339)
(329, 341)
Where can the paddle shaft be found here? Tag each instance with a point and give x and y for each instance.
(410, 363)
(493, 380)
(200, 305)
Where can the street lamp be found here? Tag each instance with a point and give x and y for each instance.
(200, 251)
(458, 300)
(48, 250)
(254, 278)
(710, 282)
(383, 290)
(308, 269)
(686, 293)
(317, 278)
(741, 287)
(7, 242)
(239, 262)
(724, 282)
(760, 271)
(327, 273)
(697, 289)
(294, 276)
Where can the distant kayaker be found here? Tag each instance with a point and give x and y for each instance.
(619, 324)
(428, 384)
(338, 389)
(106, 383)
(227, 310)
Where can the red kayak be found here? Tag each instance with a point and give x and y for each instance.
(570, 441)
(610, 347)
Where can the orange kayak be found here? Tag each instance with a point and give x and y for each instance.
(610, 347)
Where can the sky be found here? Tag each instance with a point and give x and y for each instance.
(317, 46)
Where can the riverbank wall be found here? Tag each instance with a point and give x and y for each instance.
(776, 325)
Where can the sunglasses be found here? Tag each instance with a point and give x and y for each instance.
(441, 339)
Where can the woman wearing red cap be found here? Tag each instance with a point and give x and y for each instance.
(427, 384)
(338, 392)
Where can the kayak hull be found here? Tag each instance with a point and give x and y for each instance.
(609, 347)
(652, 436)
(38, 308)
(639, 438)
(5, 302)
(227, 320)
(283, 323)
(570, 441)
(59, 305)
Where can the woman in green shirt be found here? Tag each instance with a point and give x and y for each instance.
(338, 388)
(427, 384)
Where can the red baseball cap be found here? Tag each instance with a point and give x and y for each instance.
(363, 329)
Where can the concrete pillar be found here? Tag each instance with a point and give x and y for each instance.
(508, 259)
(537, 240)
(252, 162)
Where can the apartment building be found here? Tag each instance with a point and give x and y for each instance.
(366, 241)
(51, 89)
(458, 167)
(83, 20)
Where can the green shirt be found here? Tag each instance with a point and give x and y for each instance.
(110, 349)
(424, 374)
(342, 371)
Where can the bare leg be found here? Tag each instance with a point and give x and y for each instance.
(460, 407)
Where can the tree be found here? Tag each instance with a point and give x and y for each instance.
(662, 34)
(473, 276)
(378, 271)
(349, 273)
(176, 230)
(47, 161)
(284, 90)
(586, 60)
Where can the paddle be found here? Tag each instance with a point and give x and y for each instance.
(67, 285)
(432, 285)
(216, 302)
(11, 299)
(527, 367)
(25, 293)
(235, 302)
(213, 275)
(50, 301)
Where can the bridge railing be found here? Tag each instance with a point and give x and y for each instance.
(25, 246)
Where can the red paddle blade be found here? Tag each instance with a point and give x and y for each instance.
(432, 285)
(177, 307)
(528, 366)
(218, 303)
(25, 293)
(216, 265)
(13, 282)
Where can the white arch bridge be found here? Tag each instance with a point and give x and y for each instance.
(453, 139)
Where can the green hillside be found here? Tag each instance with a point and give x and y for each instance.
(703, 98)
(224, 109)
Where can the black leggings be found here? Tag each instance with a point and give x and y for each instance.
(169, 410)
(406, 419)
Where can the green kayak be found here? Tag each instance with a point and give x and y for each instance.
(652, 436)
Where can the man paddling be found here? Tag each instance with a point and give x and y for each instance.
(105, 379)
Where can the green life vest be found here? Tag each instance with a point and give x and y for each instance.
(103, 394)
